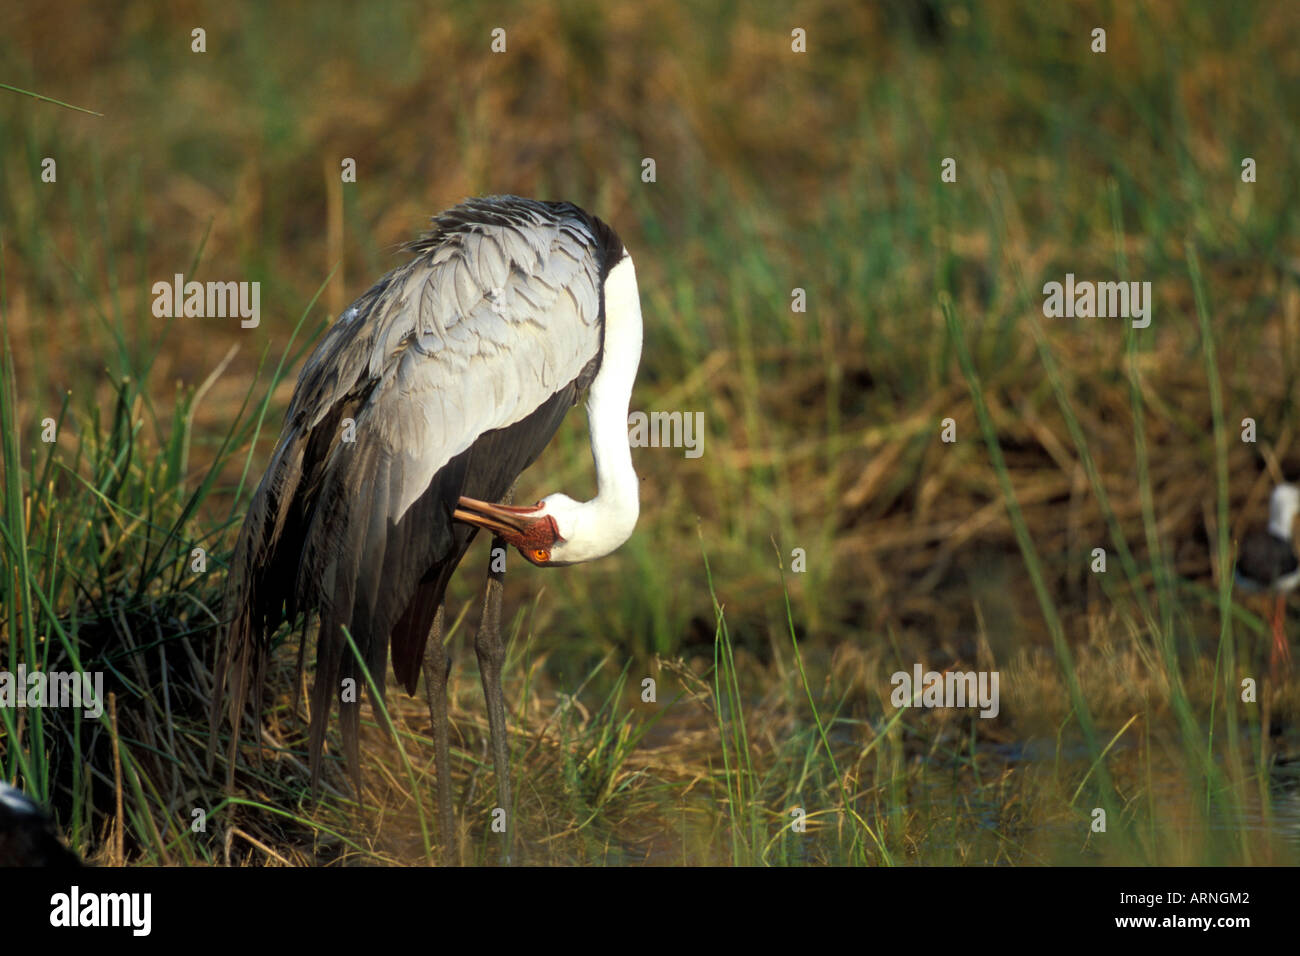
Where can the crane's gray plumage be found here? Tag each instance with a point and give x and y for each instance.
(504, 294)
(455, 368)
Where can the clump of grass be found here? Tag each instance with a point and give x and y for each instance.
(112, 566)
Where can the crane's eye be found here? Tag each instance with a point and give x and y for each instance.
(541, 555)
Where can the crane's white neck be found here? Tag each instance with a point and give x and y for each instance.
(592, 529)
(1282, 507)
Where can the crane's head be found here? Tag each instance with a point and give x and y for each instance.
(557, 530)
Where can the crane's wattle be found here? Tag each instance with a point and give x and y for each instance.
(532, 532)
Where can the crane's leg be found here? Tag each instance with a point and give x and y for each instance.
(436, 669)
(1281, 649)
(491, 650)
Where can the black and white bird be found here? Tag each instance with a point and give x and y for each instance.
(408, 426)
(1266, 562)
(27, 836)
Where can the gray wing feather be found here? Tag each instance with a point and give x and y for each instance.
(469, 337)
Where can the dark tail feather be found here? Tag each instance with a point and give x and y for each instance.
(412, 631)
(323, 691)
(262, 551)
(428, 530)
(238, 662)
(335, 660)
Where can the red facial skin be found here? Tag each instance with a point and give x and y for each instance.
(536, 541)
(533, 535)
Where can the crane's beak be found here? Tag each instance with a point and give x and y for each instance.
(508, 521)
